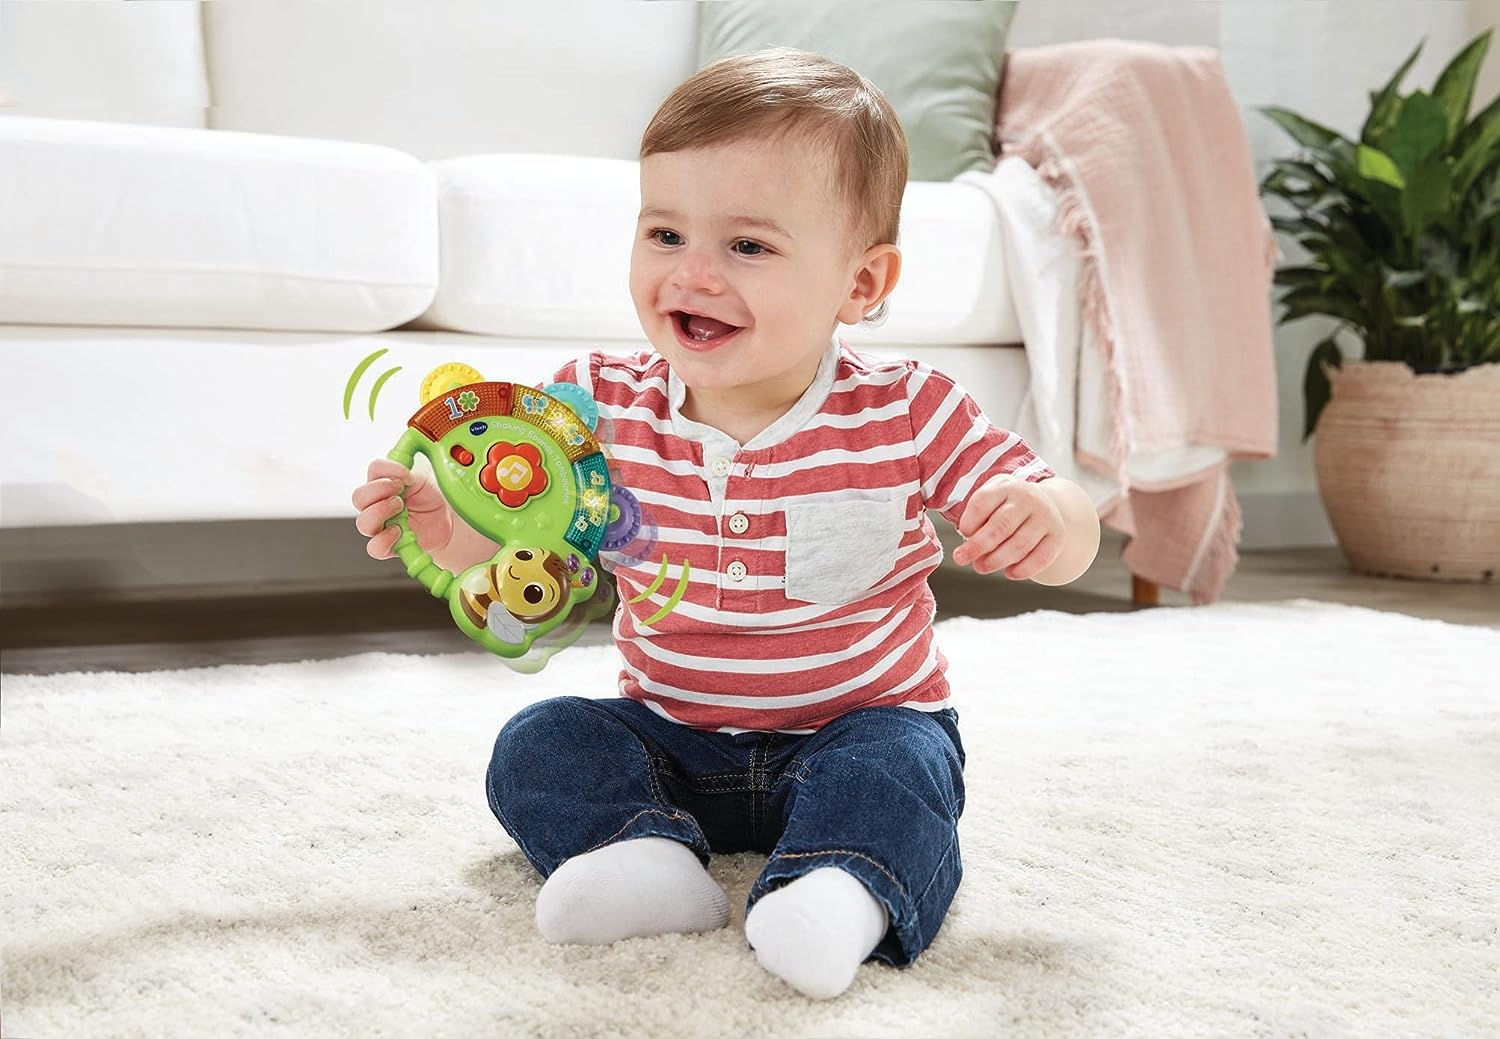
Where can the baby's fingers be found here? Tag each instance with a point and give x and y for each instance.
(383, 468)
(373, 518)
(997, 527)
(367, 494)
(1012, 550)
(383, 545)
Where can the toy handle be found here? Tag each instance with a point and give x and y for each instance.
(419, 564)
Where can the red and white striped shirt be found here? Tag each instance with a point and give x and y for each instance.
(804, 553)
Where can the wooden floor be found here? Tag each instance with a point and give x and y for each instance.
(149, 633)
(1320, 574)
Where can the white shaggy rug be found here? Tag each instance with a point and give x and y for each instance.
(1237, 820)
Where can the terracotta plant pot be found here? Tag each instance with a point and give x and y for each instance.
(1409, 470)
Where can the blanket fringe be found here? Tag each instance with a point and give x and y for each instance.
(1074, 220)
(1221, 555)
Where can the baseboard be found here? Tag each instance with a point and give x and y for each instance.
(1288, 519)
(230, 559)
(236, 559)
(155, 615)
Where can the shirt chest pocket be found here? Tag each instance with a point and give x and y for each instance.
(837, 550)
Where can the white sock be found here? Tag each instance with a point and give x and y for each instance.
(816, 931)
(645, 886)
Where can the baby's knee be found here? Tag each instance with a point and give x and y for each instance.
(534, 737)
(540, 724)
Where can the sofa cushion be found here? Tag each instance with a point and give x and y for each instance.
(108, 224)
(539, 245)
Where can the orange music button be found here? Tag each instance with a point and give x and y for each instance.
(513, 473)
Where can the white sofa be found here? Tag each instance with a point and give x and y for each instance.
(184, 295)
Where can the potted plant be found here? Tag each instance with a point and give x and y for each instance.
(1402, 234)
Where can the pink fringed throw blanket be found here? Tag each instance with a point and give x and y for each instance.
(1144, 146)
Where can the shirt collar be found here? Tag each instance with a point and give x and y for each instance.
(808, 405)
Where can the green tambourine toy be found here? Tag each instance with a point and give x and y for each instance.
(521, 466)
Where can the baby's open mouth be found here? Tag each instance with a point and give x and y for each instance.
(703, 329)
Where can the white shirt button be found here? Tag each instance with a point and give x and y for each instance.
(739, 523)
(736, 571)
(720, 466)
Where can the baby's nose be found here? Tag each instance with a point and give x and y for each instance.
(696, 271)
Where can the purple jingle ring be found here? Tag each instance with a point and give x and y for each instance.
(642, 548)
(623, 530)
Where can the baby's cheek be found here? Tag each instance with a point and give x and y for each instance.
(644, 276)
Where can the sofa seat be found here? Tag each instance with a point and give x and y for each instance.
(141, 425)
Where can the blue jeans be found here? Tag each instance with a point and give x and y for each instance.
(876, 793)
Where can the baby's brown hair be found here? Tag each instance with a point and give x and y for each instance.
(785, 91)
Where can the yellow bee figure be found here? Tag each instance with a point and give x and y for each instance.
(521, 588)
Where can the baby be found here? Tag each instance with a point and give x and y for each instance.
(794, 702)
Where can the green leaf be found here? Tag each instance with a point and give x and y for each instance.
(1384, 104)
(1302, 185)
(1455, 87)
(1313, 136)
(1477, 148)
(1377, 165)
(1403, 279)
(1308, 171)
(1306, 302)
(1481, 204)
(1475, 127)
(1427, 197)
(1315, 386)
(1420, 129)
(1296, 193)
(1401, 237)
(1294, 225)
(1300, 277)
(1386, 203)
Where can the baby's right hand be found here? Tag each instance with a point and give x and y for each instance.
(379, 500)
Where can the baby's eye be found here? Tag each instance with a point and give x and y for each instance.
(745, 247)
(664, 236)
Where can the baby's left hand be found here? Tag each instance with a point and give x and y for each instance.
(1011, 525)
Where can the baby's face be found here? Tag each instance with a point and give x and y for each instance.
(742, 260)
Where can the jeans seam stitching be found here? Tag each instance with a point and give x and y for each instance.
(727, 790)
(676, 816)
(722, 776)
(739, 782)
(856, 854)
(755, 806)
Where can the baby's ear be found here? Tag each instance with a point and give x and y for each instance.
(874, 280)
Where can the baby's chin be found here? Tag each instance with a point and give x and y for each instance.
(697, 372)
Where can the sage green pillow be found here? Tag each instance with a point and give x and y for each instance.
(938, 62)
